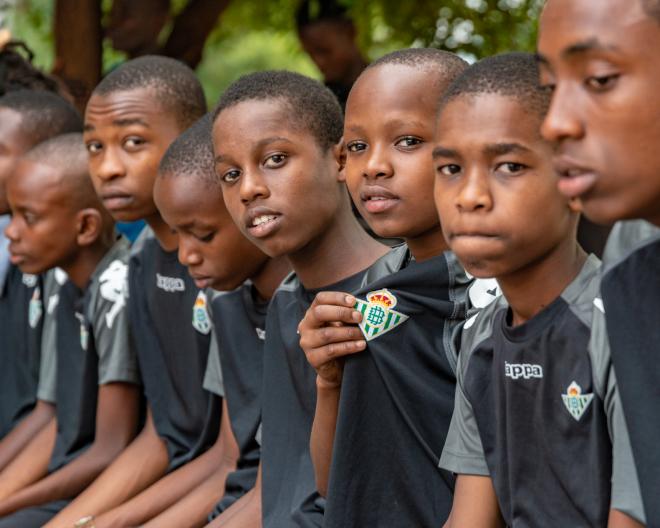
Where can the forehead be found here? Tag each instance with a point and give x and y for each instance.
(485, 119)
(190, 200)
(37, 183)
(569, 25)
(121, 108)
(392, 88)
(12, 136)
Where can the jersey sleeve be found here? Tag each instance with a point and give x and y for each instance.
(109, 318)
(46, 390)
(213, 376)
(626, 494)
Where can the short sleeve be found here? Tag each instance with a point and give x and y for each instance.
(259, 434)
(213, 376)
(110, 326)
(46, 389)
(626, 494)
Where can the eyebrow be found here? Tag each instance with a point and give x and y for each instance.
(442, 152)
(261, 143)
(586, 46)
(122, 122)
(499, 149)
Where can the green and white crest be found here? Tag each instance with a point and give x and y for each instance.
(36, 308)
(201, 320)
(378, 317)
(576, 403)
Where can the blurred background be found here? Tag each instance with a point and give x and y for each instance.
(79, 40)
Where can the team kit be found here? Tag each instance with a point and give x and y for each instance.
(256, 357)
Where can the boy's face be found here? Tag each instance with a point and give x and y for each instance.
(126, 134)
(601, 57)
(280, 187)
(210, 245)
(388, 140)
(13, 144)
(495, 188)
(43, 230)
(331, 45)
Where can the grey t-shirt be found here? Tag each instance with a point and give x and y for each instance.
(537, 409)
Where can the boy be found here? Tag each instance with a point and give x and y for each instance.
(602, 58)
(402, 387)
(131, 118)
(27, 117)
(275, 139)
(537, 437)
(57, 220)
(218, 256)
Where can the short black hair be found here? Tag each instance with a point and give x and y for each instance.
(310, 104)
(44, 114)
(311, 12)
(652, 8)
(191, 154)
(448, 64)
(513, 75)
(18, 73)
(175, 86)
(67, 153)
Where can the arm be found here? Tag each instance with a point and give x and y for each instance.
(190, 492)
(140, 464)
(472, 490)
(327, 334)
(27, 429)
(245, 512)
(31, 464)
(116, 420)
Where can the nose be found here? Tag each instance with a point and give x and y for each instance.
(378, 164)
(188, 255)
(475, 193)
(253, 186)
(110, 166)
(12, 231)
(562, 120)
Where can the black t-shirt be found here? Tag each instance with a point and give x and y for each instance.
(235, 372)
(537, 410)
(289, 495)
(631, 296)
(396, 401)
(171, 329)
(21, 316)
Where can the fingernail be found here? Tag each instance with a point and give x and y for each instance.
(361, 344)
(350, 300)
(356, 316)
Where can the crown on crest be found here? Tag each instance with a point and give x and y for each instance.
(382, 298)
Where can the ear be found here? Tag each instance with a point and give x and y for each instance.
(89, 224)
(575, 205)
(339, 153)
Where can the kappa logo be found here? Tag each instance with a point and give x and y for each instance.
(378, 317)
(522, 370)
(576, 403)
(170, 284)
(35, 309)
(201, 320)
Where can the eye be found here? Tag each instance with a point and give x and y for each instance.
(230, 176)
(602, 83)
(30, 218)
(275, 161)
(356, 146)
(408, 142)
(133, 142)
(510, 167)
(93, 147)
(206, 238)
(449, 170)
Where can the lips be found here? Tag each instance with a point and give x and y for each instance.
(116, 200)
(261, 221)
(201, 281)
(575, 180)
(377, 199)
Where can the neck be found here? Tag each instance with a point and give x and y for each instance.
(269, 277)
(81, 269)
(167, 239)
(427, 245)
(530, 289)
(342, 250)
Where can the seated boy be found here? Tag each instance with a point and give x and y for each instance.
(602, 59)
(27, 117)
(275, 140)
(218, 256)
(131, 118)
(401, 388)
(57, 220)
(537, 437)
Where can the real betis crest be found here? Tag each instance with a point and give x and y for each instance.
(84, 333)
(378, 317)
(576, 403)
(36, 308)
(201, 320)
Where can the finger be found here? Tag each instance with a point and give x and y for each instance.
(334, 298)
(326, 313)
(314, 338)
(320, 356)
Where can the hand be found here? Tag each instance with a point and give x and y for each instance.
(328, 332)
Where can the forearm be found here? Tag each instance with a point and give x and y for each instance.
(139, 466)
(30, 464)
(619, 519)
(474, 490)
(245, 512)
(26, 430)
(323, 432)
(193, 509)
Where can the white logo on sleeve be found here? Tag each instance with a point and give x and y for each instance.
(113, 286)
(36, 308)
(261, 333)
(201, 320)
(84, 333)
(170, 284)
(522, 370)
(576, 403)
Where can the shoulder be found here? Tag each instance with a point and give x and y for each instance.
(626, 237)
(583, 294)
(144, 241)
